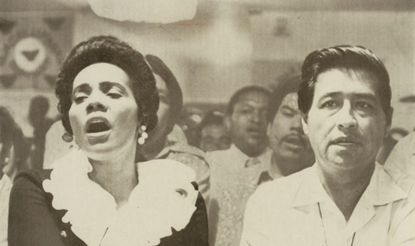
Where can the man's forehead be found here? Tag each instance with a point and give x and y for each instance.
(290, 100)
(347, 81)
(253, 97)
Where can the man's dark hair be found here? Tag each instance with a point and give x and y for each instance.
(345, 57)
(236, 96)
(283, 88)
(175, 92)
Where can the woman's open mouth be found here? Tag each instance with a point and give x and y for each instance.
(97, 127)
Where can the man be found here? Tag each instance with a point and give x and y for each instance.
(235, 172)
(213, 135)
(167, 140)
(345, 198)
(291, 150)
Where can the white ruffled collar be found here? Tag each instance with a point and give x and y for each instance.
(163, 199)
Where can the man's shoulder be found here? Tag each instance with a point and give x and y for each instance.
(280, 191)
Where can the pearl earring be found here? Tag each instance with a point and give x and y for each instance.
(143, 135)
(67, 137)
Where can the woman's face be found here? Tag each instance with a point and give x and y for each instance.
(104, 113)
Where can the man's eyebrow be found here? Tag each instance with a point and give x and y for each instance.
(289, 108)
(368, 96)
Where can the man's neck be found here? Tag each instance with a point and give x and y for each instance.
(251, 151)
(345, 187)
(288, 166)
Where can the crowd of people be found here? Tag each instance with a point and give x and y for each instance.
(293, 166)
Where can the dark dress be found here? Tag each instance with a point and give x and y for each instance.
(33, 221)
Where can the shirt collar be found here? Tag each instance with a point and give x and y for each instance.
(241, 157)
(381, 190)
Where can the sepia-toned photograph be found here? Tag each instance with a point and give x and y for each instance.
(207, 122)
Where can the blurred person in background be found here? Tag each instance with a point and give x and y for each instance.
(235, 171)
(167, 140)
(212, 131)
(401, 160)
(291, 150)
(389, 143)
(39, 107)
(14, 151)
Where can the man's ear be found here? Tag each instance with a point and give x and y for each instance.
(227, 121)
(389, 123)
(269, 129)
(304, 119)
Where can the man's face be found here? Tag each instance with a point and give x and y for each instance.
(285, 133)
(214, 137)
(248, 123)
(346, 123)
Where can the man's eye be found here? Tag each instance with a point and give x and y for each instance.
(287, 113)
(363, 105)
(329, 104)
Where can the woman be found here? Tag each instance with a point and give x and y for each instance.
(14, 151)
(97, 194)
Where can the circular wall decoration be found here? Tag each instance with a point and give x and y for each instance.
(29, 54)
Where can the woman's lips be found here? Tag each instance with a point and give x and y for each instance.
(97, 125)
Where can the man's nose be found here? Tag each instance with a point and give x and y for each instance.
(96, 102)
(296, 124)
(346, 119)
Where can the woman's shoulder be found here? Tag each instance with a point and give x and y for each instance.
(166, 168)
(35, 177)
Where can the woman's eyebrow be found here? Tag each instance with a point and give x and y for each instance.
(107, 85)
(83, 88)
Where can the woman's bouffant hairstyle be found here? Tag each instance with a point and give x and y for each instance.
(341, 57)
(108, 49)
(175, 92)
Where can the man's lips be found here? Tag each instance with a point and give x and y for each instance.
(295, 141)
(255, 132)
(97, 124)
(345, 141)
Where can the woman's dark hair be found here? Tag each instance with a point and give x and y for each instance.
(175, 93)
(346, 57)
(283, 88)
(108, 49)
(12, 135)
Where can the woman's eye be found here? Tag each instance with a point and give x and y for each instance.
(114, 95)
(79, 99)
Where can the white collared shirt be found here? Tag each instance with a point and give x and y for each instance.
(286, 212)
(232, 183)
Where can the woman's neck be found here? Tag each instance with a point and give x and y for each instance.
(117, 175)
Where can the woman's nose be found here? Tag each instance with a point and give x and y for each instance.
(96, 102)
(346, 119)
